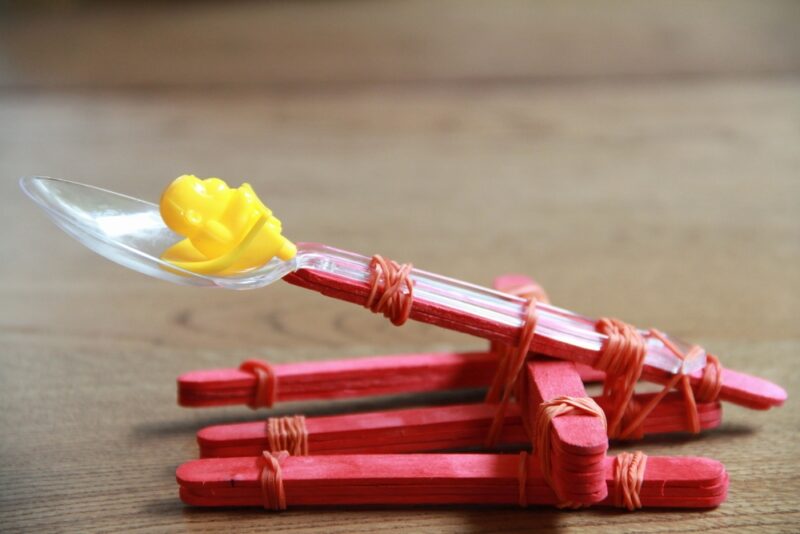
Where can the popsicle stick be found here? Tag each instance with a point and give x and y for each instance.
(424, 479)
(422, 429)
(383, 375)
(395, 431)
(356, 377)
(578, 441)
(739, 388)
(431, 313)
(341, 378)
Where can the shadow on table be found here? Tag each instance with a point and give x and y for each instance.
(454, 518)
(474, 519)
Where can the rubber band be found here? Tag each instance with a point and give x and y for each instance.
(266, 384)
(622, 359)
(271, 480)
(686, 387)
(533, 293)
(545, 414)
(386, 295)
(511, 361)
(288, 434)
(523, 479)
(711, 381)
(628, 478)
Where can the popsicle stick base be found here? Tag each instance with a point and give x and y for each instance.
(434, 479)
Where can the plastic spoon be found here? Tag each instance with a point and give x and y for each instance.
(131, 232)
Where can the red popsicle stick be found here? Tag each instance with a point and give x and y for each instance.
(420, 429)
(427, 312)
(417, 479)
(739, 388)
(577, 441)
(341, 378)
(357, 377)
(745, 390)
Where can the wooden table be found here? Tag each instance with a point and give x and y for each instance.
(640, 159)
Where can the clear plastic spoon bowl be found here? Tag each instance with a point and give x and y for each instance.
(130, 231)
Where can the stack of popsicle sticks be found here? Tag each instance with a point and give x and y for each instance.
(414, 479)
(428, 429)
(346, 378)
(580, 470)
(577, 443)
(348, 463)
(414, 373)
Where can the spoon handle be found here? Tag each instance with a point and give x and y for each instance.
(473, 309)
(559, 333)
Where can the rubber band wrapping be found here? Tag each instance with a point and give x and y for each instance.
(628, 478)
(510, 362)
(266, 384)
(288, 434)
(711, 381)
(543, 423)
(386, 294)
(622, 358)
(271, 480)
(631, 422)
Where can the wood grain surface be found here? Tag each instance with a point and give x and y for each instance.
(639, 159)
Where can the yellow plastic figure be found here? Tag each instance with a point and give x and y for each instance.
(227, 230)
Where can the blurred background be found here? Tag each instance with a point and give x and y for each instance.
(640, 159)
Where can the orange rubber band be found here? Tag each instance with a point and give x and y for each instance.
(288, 434)
(523, 479)
(628, 478)
(686, 387)
(266, 384)
(386, 295)
(543, 445)
(511, 361)
(272, 490)
(711, 381)
(622, 359)
(631, 422)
